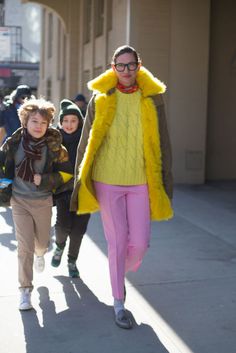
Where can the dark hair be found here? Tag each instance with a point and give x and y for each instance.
(80, 98)
(125, 49)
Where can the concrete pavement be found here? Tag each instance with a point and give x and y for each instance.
(182, 299)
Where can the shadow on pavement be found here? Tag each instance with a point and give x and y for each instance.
(87, 326)
(7, 238)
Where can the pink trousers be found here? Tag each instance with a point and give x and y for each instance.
(125, 214)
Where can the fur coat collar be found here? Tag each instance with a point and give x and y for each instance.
(148, 84)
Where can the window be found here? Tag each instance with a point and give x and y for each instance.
(61, 52)
(2, 15)
(59, 47)
(49, 89)
(87, 21)
(109, 15)
(50, 35)
(99, 17)
(85, 79)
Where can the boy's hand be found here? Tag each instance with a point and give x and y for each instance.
(37, 179)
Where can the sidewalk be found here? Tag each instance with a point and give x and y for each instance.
(182, 298)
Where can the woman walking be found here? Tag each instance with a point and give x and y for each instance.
(123, 165)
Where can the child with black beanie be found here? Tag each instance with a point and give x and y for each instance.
(69, 223)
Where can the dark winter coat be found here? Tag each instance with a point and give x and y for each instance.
(9, 119)
(70, 141)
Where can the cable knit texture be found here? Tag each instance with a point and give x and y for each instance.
(120, 159)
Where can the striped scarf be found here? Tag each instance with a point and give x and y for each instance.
(33, 151)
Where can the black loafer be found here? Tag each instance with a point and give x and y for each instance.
(124, 293)
(122, 320)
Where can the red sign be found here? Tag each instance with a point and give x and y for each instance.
(4, 72)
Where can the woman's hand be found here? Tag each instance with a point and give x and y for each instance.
(37, 179)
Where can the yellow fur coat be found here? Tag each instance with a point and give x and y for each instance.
(84, 197)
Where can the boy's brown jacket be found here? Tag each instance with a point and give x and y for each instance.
(57, 169)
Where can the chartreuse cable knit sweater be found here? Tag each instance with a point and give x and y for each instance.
(120, 159)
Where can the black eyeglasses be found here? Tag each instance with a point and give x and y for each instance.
(132, 66)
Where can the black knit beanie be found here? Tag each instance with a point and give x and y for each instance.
(67, 107)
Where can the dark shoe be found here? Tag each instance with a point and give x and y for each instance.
(56, 259)
(73, 270)
(122, 320)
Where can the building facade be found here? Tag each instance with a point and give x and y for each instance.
(188, 44)
(19, 45)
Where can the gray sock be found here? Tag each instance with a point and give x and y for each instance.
(118, 305)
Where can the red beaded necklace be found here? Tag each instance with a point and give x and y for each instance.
(125, 89)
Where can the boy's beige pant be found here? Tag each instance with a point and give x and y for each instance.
(32, 221)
